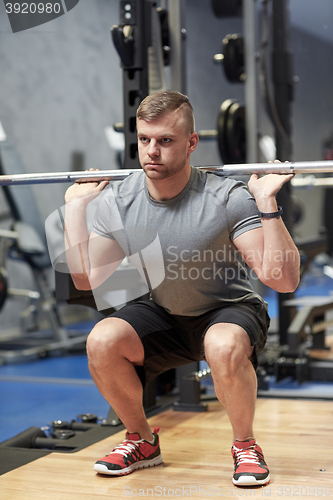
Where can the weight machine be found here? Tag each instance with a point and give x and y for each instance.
(238, 137)
(26, 242)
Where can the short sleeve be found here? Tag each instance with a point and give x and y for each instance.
(107, 218)
(242, 211)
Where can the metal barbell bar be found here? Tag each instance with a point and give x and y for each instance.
(303, 167)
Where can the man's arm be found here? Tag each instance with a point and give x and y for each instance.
(91, 258)
(270, 250)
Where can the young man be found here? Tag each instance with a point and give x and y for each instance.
(207, 228)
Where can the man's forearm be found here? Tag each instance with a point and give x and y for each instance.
(76, 243)
(281, 261)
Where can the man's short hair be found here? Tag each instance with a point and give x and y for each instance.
(159, 104)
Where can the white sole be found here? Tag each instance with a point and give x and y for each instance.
(102, 469)
(250, 481)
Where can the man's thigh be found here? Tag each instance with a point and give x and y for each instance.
(170, 341)
(167, 342)
(244, 323)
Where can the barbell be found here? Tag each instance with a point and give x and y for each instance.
(302, 167)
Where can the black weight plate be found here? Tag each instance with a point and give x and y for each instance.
(222, 130)
(165, 35)
(3, 287)
(236, 134)
(59, 424)
(88, 418)
(227, 8)
(63, 434)
(233, 58)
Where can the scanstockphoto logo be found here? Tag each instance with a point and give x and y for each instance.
(119, 280)
(26, 14)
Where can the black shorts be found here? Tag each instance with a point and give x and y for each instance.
(170, 341)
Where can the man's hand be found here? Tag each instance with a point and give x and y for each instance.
(268, 185)
(85, 190)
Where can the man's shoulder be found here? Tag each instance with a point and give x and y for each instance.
(132, 184)
(211, 182)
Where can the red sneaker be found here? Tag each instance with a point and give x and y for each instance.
(250, 465)
(133, 453)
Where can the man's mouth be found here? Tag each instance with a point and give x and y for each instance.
(153, 164)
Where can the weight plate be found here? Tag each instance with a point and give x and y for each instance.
(88, 418)
(222, 130)
(227, 8)
(236, 134)
(59, 424)
(233, 58)
(63, 434)
(3, 287)
(165, 35)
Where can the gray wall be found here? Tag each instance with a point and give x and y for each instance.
(61, 85)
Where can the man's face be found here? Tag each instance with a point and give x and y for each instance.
(164, 145)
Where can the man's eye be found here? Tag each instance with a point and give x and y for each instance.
(143, 139)
(166, 140)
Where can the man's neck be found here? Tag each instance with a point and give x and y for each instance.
(169, 188)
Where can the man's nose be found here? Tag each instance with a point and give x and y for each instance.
(153, 149)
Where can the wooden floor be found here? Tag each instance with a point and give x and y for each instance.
(296, 436)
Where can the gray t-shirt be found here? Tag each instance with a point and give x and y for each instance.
(183, 246)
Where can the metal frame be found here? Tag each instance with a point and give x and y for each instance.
(251, 82)
(178, 68)
(131, 38)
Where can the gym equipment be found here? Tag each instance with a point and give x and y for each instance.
(3, 273)
(131, 38)
(311, 314)
(306, 331)
(222, 131)
(165, 35)
(190, 391)
(26, 241)
(230, 133)
(3, 286)
(199, 375)
(236, 135)
(301, 167)
(143, 55)
(61, 436)
(311, 180)
(227, 8)
(232, 58)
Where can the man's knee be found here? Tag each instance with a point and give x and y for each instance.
(227, 348)
(114, 337)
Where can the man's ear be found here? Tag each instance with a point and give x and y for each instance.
(193, 141)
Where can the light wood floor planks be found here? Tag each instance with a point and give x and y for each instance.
(296, 437)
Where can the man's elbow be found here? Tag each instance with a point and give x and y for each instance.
(293, 279)
(81, 282)
(294, 285)
(287, 284)
(286, 288)
(282, 282)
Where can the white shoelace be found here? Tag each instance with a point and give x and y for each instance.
(126, 447)
(247, 456)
